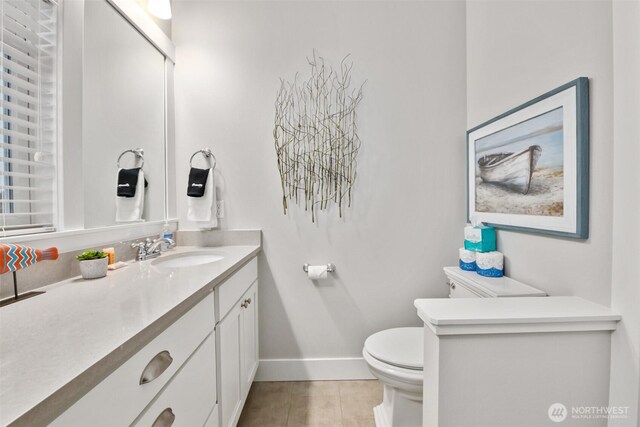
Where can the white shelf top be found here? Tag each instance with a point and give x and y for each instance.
(492, 286)
(517, 314)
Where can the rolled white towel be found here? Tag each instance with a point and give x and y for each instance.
(202, 210)
(130, 209)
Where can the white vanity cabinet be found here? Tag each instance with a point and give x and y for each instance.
(197, 372)
(121, 397)
(237, 333)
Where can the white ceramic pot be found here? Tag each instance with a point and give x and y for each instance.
(94, 268)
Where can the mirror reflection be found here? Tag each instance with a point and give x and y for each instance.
(123, 109)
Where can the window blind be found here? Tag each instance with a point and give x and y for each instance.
(28, 116)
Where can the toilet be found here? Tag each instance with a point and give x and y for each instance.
(395, 356)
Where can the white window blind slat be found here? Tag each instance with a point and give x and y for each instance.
(26, 109)
(31, 163)
(26, 214)
(16, 36)
(27, 229)
(18, 82)
(28, 116)
(18, 139)
(30, 18)
(21, 231)
(17, 96)
(20, 24)
(17, 121)
(31, 176)
(21, 113)
(18, 188)
(38, 15)
(30, 201)
(20, 70)
(18, 56)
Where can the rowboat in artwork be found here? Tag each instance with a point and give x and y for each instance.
(511, 170)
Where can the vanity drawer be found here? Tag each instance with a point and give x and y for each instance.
(120, 398)
(190, 395)
(230, 291)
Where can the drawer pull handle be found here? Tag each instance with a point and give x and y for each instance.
(165, 419)
(156, 367)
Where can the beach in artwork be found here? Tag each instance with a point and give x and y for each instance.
(545, 181)
(544, 198)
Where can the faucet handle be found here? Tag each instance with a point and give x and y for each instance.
(170, 243)
(142, 250)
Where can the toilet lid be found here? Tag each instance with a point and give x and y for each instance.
(400, 347)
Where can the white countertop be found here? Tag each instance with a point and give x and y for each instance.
(523, 314)
(79, 331)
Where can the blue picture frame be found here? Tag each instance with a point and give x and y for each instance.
(576, 215)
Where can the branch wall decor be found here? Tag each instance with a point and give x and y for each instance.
(316, 137)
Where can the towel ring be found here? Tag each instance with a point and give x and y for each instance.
(207, 154)
(138, 152)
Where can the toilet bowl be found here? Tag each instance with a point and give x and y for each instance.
(394, 356)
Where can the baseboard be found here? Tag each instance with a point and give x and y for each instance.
(354, 368)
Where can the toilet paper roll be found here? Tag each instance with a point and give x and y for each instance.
(317, 272)
(467, 259)
(490, 264)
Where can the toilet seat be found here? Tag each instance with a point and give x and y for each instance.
(399, 347)
(394, 357)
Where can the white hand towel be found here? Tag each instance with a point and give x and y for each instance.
(202, 210)
(129, 209)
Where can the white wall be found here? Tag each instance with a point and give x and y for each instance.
(625, 294)
(409, 203)
(515, 52)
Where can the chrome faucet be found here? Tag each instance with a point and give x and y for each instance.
(152, 248)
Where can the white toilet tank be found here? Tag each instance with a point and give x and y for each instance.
(469, 284)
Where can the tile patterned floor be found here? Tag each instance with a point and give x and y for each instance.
(311, 404)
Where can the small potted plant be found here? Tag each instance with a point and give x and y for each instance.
(93, 264)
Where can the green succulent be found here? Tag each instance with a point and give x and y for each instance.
(89, 255)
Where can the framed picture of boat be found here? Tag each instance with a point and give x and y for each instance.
(528, 169)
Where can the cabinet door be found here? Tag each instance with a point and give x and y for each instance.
(229, 331)
(249, 337)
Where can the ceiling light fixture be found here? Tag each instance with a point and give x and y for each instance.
(159, 8)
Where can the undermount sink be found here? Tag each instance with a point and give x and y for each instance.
(187, 259)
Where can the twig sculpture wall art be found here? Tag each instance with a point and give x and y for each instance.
(316, 136)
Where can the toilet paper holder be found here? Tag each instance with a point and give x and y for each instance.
(330, 268)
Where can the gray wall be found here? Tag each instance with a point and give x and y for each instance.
(625, 281)
(408, 211)
(515, 52)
